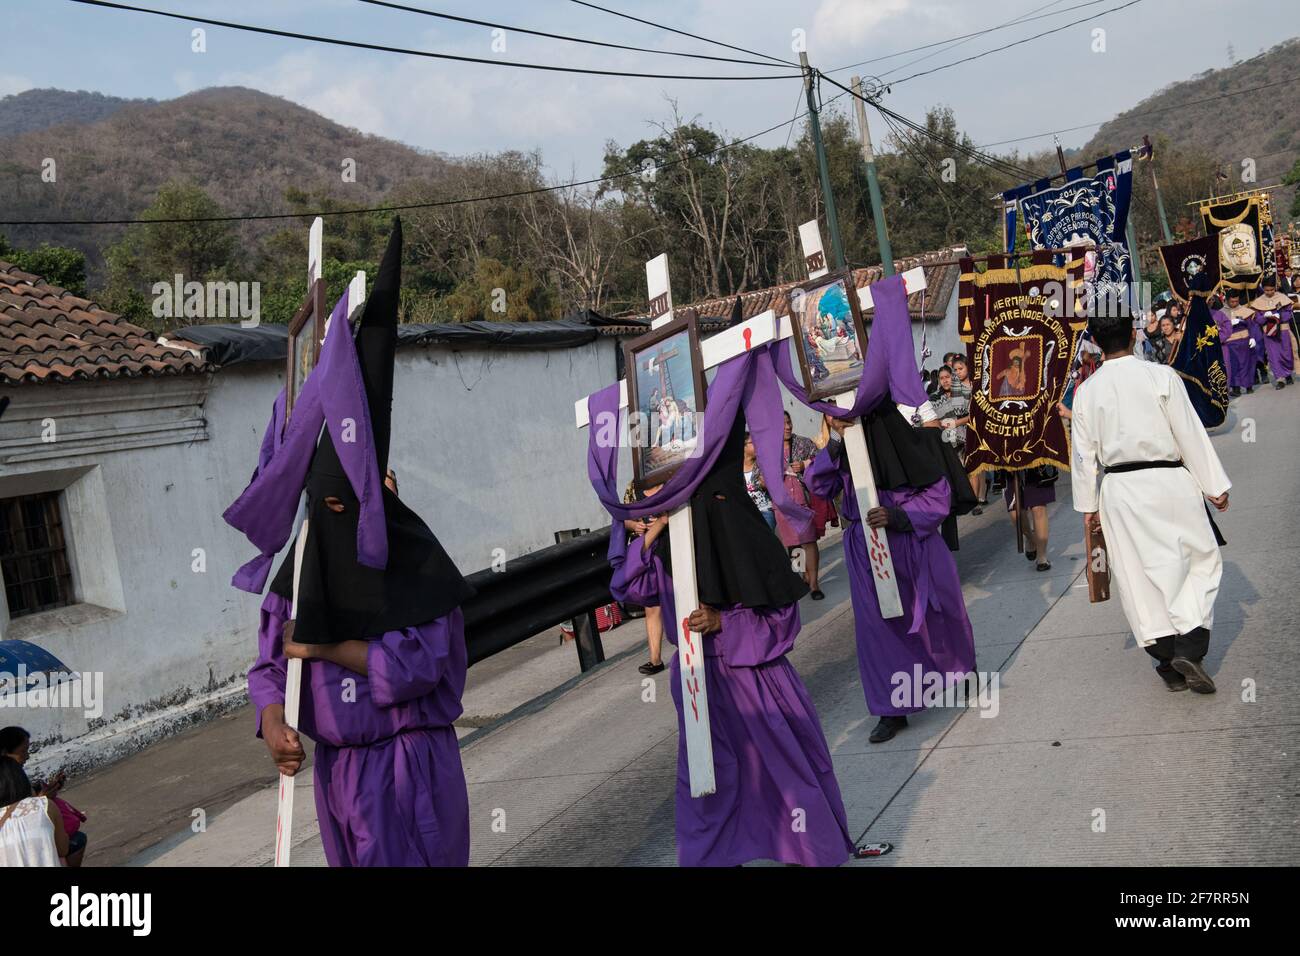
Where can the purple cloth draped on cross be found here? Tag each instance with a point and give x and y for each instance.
(745, 381)
(890, 365)
(333, 393)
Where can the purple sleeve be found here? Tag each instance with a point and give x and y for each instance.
(925, 507)
(753, 636)
(636, 580)
(410, 663)
(266, 677)
(823, 476)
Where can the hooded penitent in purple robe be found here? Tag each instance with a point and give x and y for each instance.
(1273, 318)
(1244, 347)
(934, 632)
(389, 786)
(777, 797)
(390, 790)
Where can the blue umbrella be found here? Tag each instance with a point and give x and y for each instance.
(34, 661)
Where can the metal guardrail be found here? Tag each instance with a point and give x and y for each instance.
(537, 591)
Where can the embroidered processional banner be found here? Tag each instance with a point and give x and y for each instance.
(1021, 327)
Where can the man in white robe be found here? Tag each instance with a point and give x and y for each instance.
(1142, 463)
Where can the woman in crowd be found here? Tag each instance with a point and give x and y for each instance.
(799, 453)
(15, 743)
(654, 622)
(31, 827)
(756, 485)
(1172, 333)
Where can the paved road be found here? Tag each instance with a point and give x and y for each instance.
(1087, 761)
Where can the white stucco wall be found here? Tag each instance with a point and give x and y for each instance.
(484, 446)
(485, 449)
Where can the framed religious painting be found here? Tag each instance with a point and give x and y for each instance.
(306, 331)
(1016, 367)
(830, 335)
(666, 391)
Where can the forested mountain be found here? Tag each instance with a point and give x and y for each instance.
(41, 109)
(728, 216)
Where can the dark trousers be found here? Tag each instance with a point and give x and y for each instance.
(1192, 646)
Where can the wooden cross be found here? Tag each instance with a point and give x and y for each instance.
(293, 666)
(855, 440)
(695, 700)
(727, 344)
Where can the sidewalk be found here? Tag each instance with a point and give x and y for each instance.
(1088, 761)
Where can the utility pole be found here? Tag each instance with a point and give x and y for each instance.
(873, 183)
(1150, 153)
(814, 123)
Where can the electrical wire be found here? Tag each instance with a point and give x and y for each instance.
(1151, 112)
(1008, 46)
(1024, 18)
(693, 36)
(381, 48)
(555, 36)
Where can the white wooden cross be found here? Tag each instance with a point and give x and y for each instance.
(753, 333)
(293, 666)
(714, 350)
(855, 440)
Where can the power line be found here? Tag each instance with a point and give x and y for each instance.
(962, 41)
(357, 44)
(555, 36)
(693, 36)
(516, 194)
(970, 151)
(968, 36)
(1150, 112)
(1007, 46)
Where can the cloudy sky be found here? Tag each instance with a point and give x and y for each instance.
(459, 108)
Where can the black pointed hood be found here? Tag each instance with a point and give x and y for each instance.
(340, 599)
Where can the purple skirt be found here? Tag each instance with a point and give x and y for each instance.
(396, 802)
(1031, 495)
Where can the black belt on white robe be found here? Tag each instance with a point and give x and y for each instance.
(1143, 465)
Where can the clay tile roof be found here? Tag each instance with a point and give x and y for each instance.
(941, 275)
(47, 334)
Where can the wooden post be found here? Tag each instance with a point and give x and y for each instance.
(293, 666)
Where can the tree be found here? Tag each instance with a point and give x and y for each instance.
(501, 293)
(57, 265)
(150, 253)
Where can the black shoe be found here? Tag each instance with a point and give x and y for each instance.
(977, 510)
(1197, 679)
(1043, 565)
(817, 595)
(1030, 555)
(1235, 392)
(1250, 390)
(1290, 379)
(886, 729)
(1174, 681)
(650, 667)
(1279, 385)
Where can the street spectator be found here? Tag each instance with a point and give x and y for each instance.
(31, 827)
(15, 743)
(799, 453)
(654, 620)
(755, 484)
